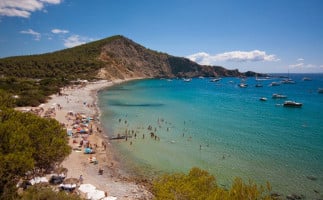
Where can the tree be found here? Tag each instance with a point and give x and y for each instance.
(199, 184)
(28, 142)
(6, 100)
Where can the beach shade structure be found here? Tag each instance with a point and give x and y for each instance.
(37, 180)
(95, 195)
(71, 181)
(86, 188)
(68, 187)
(110, 198)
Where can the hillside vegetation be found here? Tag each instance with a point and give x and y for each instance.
(33, 78)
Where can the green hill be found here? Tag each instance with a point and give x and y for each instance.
(33, 78)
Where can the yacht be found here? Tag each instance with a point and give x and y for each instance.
(292, 104)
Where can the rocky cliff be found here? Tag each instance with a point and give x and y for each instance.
(124, 58)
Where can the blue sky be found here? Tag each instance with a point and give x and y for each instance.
(258, 35)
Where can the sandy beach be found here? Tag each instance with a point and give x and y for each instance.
(82, 99)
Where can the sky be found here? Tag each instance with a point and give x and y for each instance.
(267, 36)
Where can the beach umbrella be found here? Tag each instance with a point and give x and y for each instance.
(71, 181)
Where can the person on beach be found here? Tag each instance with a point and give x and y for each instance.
(100, 171)
(81, 179)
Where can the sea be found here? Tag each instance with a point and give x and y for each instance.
(173, 125)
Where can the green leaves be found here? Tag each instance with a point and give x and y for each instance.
(26, 142)
(200, 185)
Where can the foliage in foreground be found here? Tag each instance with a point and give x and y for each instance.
(27, 142)
(200, 185)
(44, 193)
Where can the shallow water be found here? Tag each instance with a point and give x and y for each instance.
(221, 128)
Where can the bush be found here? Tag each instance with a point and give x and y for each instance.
(200, 185)
(43, 193)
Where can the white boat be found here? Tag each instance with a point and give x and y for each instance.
(263, 99)
(288, 81)
(292, 104)
(307, 79)
(275, 84)
(279, 96)
(243, 85)
(187, 79)
(215, 79)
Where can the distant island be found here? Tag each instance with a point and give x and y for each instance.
(33, 78)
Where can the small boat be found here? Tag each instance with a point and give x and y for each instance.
(243, 85)
(320, 90)
(215, 79)
(187, 79)
(263, 99)
(288, 81)
(275, 84)
(307, 79)
(258, 85)
(292, 104)
(279, 96)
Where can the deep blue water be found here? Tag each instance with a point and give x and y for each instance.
(222, 128)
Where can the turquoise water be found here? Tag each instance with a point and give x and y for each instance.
(222, 128)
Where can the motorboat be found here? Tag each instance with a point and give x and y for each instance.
(215, 79)
(275, 84)
(187, 79)
(288, 81)
(243, 85)
(292, 104)
(279, 96)
(263, 99)
(307, 79)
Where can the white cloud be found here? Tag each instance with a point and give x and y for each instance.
(305, 66)
(300, 59)
(33, 33)
(23, 8)
(234, 56)
(59, 31)
(297, 65)
(75, 40)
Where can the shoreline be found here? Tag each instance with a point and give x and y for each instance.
(84, 100)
